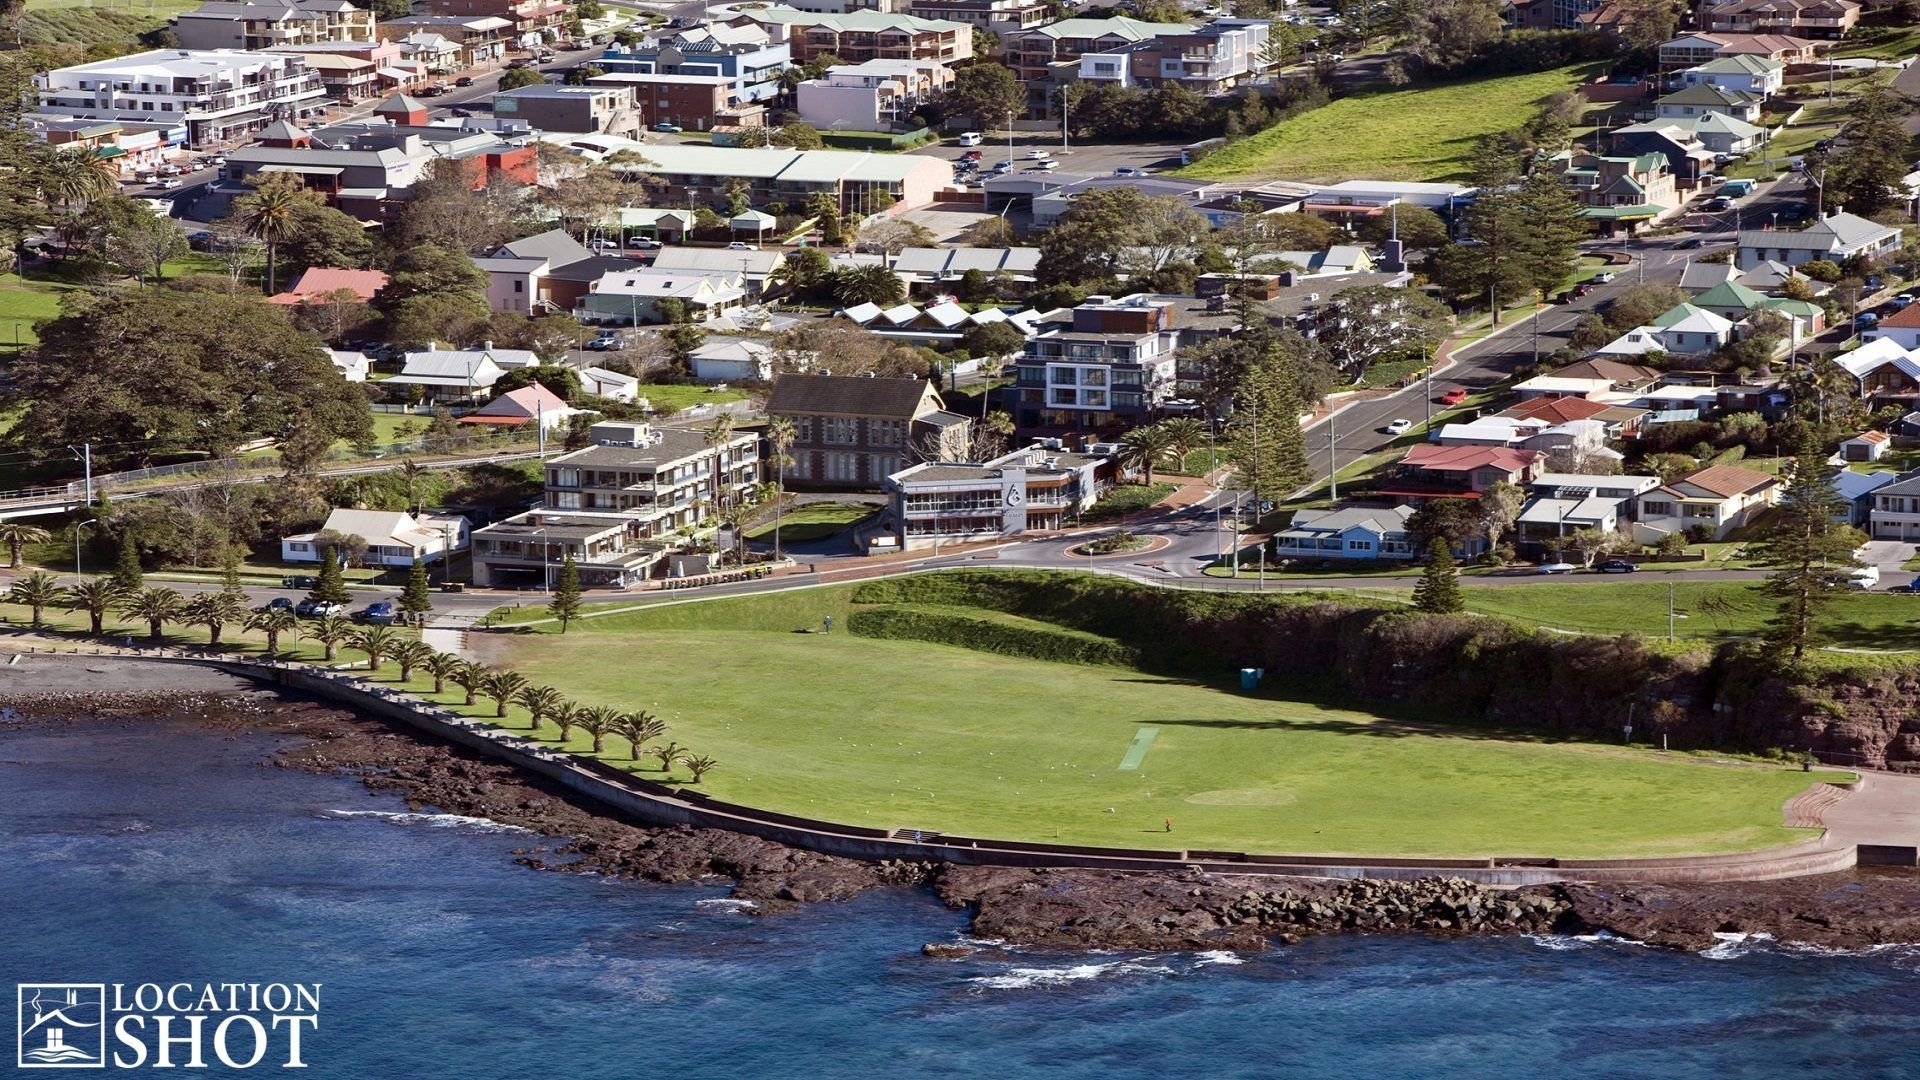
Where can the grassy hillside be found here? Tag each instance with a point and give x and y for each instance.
(1415, 133)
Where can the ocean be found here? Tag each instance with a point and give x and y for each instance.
(168, 854)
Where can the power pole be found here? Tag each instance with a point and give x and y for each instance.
(1333, 456)
(85, 456)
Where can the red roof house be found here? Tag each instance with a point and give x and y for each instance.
(523, 406)
(319, 282)
(1460, 472)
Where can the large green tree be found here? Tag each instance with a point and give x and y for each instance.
(323, 236)
(132, 236)
(1264, 440)
(434, 293)
(987, 94)
(1119, 231)
(164, 371)
(1438, 592)
(1361, 325)
(1809, 549)
(1868, 170)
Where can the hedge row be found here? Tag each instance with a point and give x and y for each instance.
(985, 635)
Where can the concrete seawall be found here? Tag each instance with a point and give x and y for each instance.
(657, 804)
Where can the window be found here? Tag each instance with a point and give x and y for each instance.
(886, 432)
(839, 431)
(519, 286)
(566, 500)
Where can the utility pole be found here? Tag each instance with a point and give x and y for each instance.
(1669, 612)
(540, 423)
(84, 455)
(1333, 457)
(1433, 361)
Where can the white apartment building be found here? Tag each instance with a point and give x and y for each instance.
(878, 95)
(221, 95)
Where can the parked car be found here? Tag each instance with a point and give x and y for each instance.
(601, 243)
(1580, 290)
(170, 183)
(1905, 299)
(668, 129)
(1128, 171)
(1454, 396)
(300, 581)
(1399, 427)
(464, 80)
(1558, 568)
(320, 609)
(1909, 587)
(641, 243)
(380, 612)
(1865, 577)
(972, 155)
(1047, 165)
(1616, 566)
(971, 138)
(460, 111)
(1038, 154)
(1003, 166)
(1864, 320)
(741, 245)
(278, 603)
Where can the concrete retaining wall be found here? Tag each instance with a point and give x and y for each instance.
(657, 804)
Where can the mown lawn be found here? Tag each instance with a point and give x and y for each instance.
(1124, 499)
(1415, 133)
(23, 303)
(910, 735)
(672, 397)
(812, 521)
(1708, 609)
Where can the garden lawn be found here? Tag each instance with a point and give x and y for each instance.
(812, 521)
(672, 397)
(1123, 499)
(1415, 133)
(901, 734)
(21, 305)
(1616, 606)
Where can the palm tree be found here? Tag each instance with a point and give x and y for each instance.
(641, 728)
(273, 622)
(17, 535)
(37, 591)
(501, 686)
(1149, 445)
(716, 435)
(698, 766)
(410, 654)
(867, 285)
(539, 701)
(668, 753)
(440, 665)
(565, 715)
(95, 596)
(467, 677)
(331, 631)
(76, 174)
(780, 436)
(378, 642)
(214, 611)
(1184, 435)
(598, 721)
(158, 606)
(268, 216)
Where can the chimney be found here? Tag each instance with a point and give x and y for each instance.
(486, 346)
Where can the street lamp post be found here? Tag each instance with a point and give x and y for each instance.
(78, 527)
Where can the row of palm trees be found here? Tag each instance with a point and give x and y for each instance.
(1176, 438)
(160, 606)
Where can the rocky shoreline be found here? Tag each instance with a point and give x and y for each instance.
(1055, 908)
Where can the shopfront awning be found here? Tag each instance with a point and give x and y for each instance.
(304, 170)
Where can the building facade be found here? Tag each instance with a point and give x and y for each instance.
(854, 432)
(221, 95)
(1109, 366)
(879, 95)
(265, 24)
(1035, 489)
(599, 109)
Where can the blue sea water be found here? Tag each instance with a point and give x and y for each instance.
(168, 854)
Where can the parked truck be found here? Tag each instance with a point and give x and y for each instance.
(1734, 189)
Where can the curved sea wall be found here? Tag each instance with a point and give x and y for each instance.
(1860, 713)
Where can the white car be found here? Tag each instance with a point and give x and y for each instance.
(1558, 568)
(971, 138)
(1043, 166)
(1602, 277)
(1399, 427)
(1038, 155)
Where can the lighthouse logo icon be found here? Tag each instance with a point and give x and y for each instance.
(62, 1026)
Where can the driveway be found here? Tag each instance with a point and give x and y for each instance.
(1889, 556)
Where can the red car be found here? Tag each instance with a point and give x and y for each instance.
(1454, 396)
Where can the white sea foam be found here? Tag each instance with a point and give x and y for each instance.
(435, 821)
(1732, 946)
(1029, 978)
(728, 904)
(1570, 942)
(1219, 957)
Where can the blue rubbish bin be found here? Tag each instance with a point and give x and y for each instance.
(1249, 678)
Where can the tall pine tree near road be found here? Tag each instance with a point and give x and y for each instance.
(1439, 590)
(332, 585)
(565, 605)
(1265, 443)
(414, 599)
(1809, 550)
(126, 567)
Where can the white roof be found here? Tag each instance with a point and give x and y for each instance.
(947, 314)
(1877, 354)
(1549, 481)
(1700, 321)
(862, 313)
(754, 264)
(1640, 339)
(765, 162)
(182, 63)
(1561, 384)
(655, 282)
(901, 313)
(611, 378)
(463, 364)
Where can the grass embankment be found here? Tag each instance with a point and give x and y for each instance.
(673, 397)
(812, 521)
(1415, 133)
(908, 734)
(1705, 609)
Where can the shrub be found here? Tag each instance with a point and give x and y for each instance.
(1060, 646)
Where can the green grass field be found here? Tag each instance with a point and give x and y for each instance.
(672, 397)
(812, 521)
(1707, 609)
(1417, 133)
(909, 735)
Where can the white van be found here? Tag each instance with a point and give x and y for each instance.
(1866, 577)
(971, 138)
